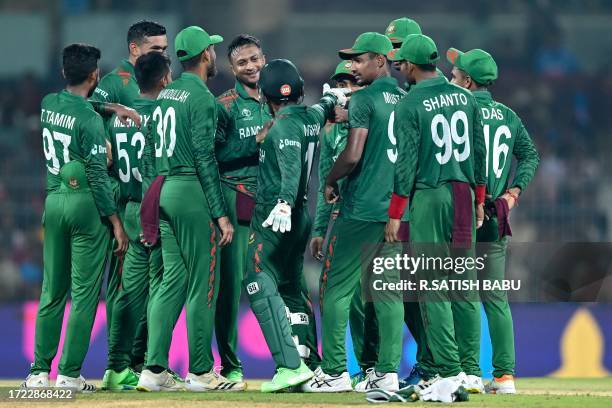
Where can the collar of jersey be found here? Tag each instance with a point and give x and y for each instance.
(291, 109)
(483, 95)
(384, 80)
(127, 66)
(429, 82)
(67, 94)
(192, 76)
(140, 101)
(239, 87)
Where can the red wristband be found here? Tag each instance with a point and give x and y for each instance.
(397, 206)
(480, 194)
(515, 196)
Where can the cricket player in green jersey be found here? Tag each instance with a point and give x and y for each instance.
(152, 73)
(78, 210)
(119, 86)
(190, 204)
(241, 116)
(366, 192)
(397, 31)
(438, 128)
(280, 226)
(333, 140)
(505, 136)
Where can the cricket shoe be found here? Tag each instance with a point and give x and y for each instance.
(287, 378)
(357, 378)
(211, 381)
(77, 383)
(235, 375)
(501, 385)
(474, 384)
(164, 381)
(40, 380)
(416, 376)
(374, 380)
(322, 382)
(124, 380)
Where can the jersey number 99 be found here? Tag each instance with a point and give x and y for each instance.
(450, 139)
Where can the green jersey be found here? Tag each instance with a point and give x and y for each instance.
(367, 190)
(128, 142)
(72, 130)
(118, 86)
(333, 141)
(185, 120)
(438, 128)
(240, 118)
(286, 155)
(505, 136)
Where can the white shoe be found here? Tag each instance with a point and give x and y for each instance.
(77, 383)
(40, 380)
(501, 385)
(164, 381)
(474, 385)
(322, 382)
(374, 380)
(212, 381)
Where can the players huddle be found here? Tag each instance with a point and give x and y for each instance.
(187, 199)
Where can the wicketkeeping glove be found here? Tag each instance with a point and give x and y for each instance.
(279, 218)
(339, 93)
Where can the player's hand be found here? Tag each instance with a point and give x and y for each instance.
(227, 230)
(339, 93)
(391, 230)
(316, 248)
(124, 113)
(144, 242)
(263, 132)
(341, 115)
(120, 235)
(331, 193)
(511, 196)
(480, 215)
(279, 218)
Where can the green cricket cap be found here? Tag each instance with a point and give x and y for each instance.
(192, 40)
(477, 63)
(343, 68)
(400, 28)
(416, 48)
(367, 42)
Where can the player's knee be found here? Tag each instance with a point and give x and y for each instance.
(259, 286)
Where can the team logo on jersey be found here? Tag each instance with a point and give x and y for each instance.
(246, 114)
(73, 183)
(285, 90)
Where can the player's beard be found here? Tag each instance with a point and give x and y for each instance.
(212, 69)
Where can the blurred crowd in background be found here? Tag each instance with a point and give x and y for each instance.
(563, 100)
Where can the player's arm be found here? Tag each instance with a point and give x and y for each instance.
(146, 165)
(323, 209)
(324, 110)
(92, 144)
(527, 158)
(203, 122)
(360, 111)
(407, 135)
(230, 148)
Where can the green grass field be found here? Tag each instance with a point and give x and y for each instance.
(534, 392)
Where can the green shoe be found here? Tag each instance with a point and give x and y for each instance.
(286, 377)
(235, 375)
(119, 381)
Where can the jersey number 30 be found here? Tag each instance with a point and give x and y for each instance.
(166, 130)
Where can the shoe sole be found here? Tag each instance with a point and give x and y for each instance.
(142, 388)
(203, 389)
(301, 379)
(120, 388)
